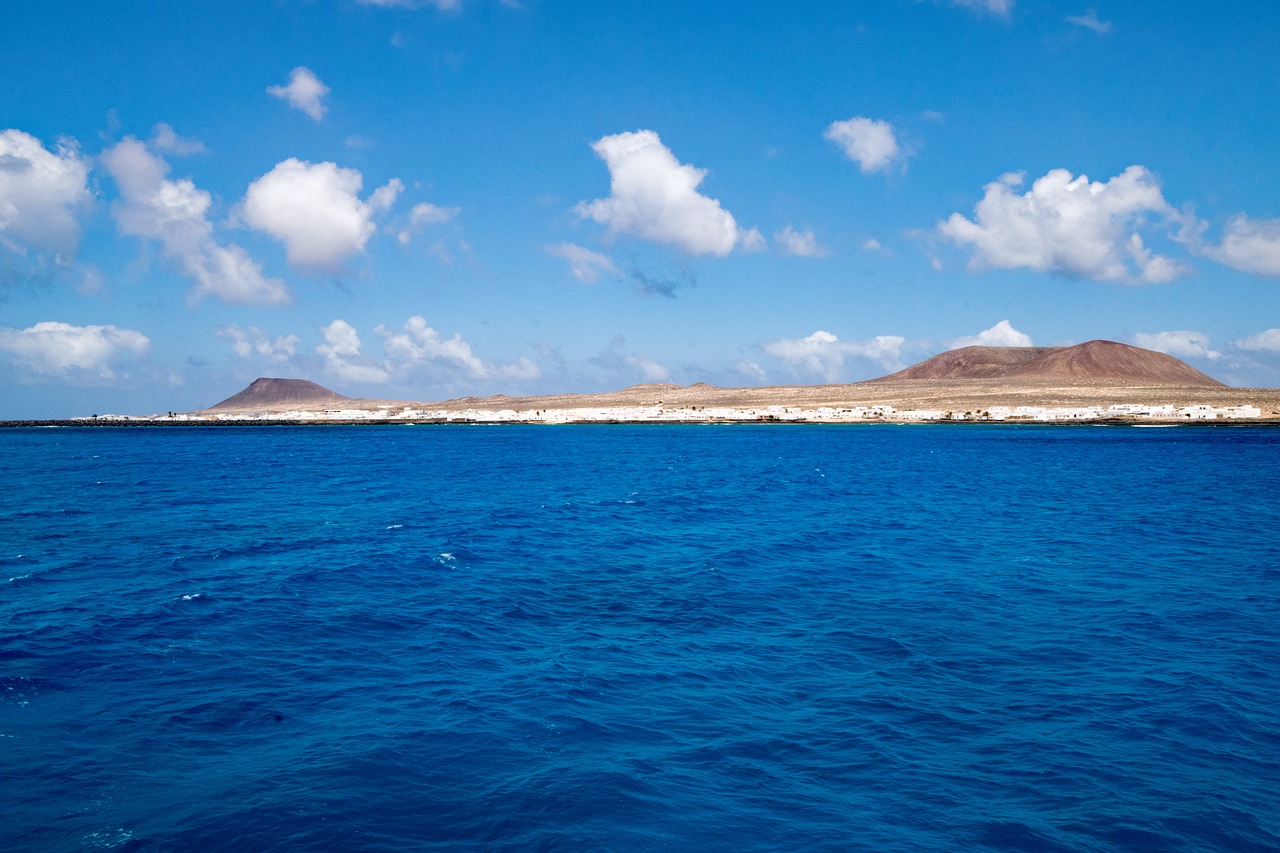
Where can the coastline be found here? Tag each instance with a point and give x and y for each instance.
(878, 401)
(224, 423)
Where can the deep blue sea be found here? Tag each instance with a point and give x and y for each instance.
(857, 638)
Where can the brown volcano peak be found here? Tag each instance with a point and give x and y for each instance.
(1093, 361)
(266, 393)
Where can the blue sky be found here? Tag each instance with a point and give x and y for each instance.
(423, 200)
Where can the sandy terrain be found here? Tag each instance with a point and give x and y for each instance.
(958, 395)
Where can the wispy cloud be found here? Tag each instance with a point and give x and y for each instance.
(1089, 20)
(584, 264)
(175, 213)
(440, 5)
(994, 7)
(629, 367)
(254, 343)
(802, 244)
(165, 139)
(662, 283)
(423, 215)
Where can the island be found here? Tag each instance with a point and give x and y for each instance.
(1096, 381)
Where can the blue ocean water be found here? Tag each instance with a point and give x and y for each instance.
(869, 638)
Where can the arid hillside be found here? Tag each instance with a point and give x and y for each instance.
(1095, 361)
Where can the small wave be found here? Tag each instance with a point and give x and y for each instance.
(17, 690)
(19, 562)
(106, 838)
(394, 526)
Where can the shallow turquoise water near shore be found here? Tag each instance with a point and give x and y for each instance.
(740, 637)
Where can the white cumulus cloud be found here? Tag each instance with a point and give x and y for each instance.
(304, 92)
(1177, 344)
(315, 210)
(247, 343)
(1251, 245)
(412, 352)
(175, 213)
(341, 354)
(585, 264)
(1268, 341)
(1002, 334)
(823, 355)
(802, 244)
(655, 197)
(1069, 226)
(868, 142)
(41, 193)
(64, 350)
(419, 347)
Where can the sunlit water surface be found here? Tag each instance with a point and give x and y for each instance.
(640, 638)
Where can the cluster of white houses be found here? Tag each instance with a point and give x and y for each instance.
(1088, 413)
(711, 414)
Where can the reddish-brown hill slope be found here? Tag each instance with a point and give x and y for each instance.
(267, 394)
(1094, 361)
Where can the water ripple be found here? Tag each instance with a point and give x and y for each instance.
(640, 638)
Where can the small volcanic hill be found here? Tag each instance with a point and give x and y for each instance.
(1103, 362)
(268, 394)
